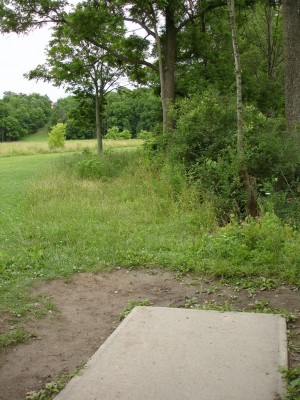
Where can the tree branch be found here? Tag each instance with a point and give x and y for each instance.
(192, 18)
(122, 57)
(142, 24)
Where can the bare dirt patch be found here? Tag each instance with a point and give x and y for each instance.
(89, 307)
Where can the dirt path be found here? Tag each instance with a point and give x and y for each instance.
(89, 307)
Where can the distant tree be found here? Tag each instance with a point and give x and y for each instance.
(11, 129)
(82, 68)
(22, 114)
(57, 136)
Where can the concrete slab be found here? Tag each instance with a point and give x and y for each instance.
(178, 354)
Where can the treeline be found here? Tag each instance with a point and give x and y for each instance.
(22, 114)
(129, 110)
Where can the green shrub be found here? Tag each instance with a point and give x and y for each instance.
(105, 167)
(263, 246)
(57, 136)
(145, 135)
(124, 135)
(112, 133)
(205, 141)
(115, 134)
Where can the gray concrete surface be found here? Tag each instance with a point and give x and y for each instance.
(178, 354)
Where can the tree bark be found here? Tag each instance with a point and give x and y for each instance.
(161, 73)
(169, 67)
(98, 122)
(291, 23)
(249, 186)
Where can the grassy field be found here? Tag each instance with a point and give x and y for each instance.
(40, 136)
(72, 213)
(30, 147)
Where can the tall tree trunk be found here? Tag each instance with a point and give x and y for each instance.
(161, 74)
(169, 67)
(269, 20)
(252, 204)
(98, 121)
(291, 23)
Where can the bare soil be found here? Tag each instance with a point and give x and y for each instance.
(89, 307)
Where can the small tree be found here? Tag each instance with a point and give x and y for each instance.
(57, 136)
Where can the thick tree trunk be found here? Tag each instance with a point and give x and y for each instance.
(98, 122)
(169, 67)
(252, 205)
(291, 20)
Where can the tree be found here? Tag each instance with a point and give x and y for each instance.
(57, 136)
(291, 19)
(160, 20)
(248, 184)
(25, 113)
(82, 68)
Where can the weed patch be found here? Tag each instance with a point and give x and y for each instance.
(292, 378)
(132, 304)
(18, 335)
(51, 389)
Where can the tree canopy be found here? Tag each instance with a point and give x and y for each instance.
(22, 114)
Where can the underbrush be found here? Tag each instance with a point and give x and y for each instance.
(256, 247)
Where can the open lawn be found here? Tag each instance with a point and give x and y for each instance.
(40, 136)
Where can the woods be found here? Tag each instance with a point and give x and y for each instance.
(22, 114)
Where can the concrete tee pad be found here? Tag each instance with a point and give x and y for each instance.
(179, 354)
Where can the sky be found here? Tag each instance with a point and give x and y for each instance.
(20, 54)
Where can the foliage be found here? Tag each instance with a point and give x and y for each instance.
(204, 140)
(145, 135)
(22, 114)
(244, 249)
(292, 377)
(57, 136)
(114, 133)
(78, 113)
(135, 110)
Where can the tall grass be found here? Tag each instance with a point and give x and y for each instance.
(84, 213)
(36, 147)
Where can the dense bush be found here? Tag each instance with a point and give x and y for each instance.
(264, 246)
(145, 135)
(205, 142)
(115, 134)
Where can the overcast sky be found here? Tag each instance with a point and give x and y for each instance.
(20, 54)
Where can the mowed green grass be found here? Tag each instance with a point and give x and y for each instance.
(40, 136)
